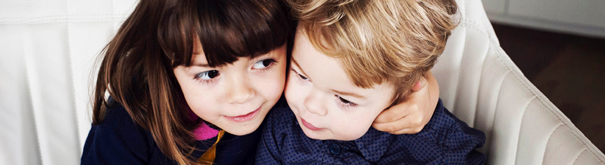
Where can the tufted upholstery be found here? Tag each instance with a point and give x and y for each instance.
(483, 87)
(48, 48)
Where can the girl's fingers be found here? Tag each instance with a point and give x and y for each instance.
(419, 85)
(407, 125)
(394, 113)
(414, 113)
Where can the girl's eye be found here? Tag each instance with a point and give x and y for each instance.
(345, 101)
(263, 63)
(207, 75)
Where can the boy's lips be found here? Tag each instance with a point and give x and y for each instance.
(243, 118)
(309, 125)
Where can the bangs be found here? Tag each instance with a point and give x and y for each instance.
(239, 28)
(227, 29)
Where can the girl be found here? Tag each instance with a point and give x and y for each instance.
(178, 71)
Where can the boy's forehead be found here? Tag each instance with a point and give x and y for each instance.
(330, 78)
(301, 35)
(326, 72)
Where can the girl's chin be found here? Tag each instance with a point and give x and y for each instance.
(241, 130)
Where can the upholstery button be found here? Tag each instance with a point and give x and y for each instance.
(334, 149)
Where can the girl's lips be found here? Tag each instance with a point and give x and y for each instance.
(246, 117)
(309, 125)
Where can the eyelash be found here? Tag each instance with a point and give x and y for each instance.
(344, 102)
(341, 101)
(300, 76)
(198, 78)
(273, 62)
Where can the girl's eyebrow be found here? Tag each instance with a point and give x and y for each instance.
(196, 53)
(263, 55)
(201, 65)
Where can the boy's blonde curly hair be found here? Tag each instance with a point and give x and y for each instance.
(379, 40)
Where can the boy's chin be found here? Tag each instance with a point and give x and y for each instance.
(320, 136)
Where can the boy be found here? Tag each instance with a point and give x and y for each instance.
(346, 59)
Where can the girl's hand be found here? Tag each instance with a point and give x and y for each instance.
(414, 113)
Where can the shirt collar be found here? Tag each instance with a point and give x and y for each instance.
(373, 144)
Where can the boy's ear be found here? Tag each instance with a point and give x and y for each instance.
(419, 85)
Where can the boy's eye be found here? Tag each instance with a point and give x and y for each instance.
(263, 63)
(302, 77)
(207, 75)
(345, 101)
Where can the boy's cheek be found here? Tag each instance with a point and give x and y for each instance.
(349, 135)
(351, 130)
(293, 94)
(288, 93)
(352, 126)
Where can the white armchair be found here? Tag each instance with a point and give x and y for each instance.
(482, 86)
(48, 48)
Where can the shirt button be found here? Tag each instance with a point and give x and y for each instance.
(334, 149)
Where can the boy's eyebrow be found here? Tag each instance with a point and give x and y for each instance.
(336, 91)
(295, 63)
(348, 94)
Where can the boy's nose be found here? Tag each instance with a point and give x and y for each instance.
(240, 92)
(314, 104)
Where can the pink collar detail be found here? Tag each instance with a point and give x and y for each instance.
(204, 131)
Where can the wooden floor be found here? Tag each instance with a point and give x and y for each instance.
(568, 69)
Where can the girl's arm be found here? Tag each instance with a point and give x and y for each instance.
(118, 140)
(413, 114)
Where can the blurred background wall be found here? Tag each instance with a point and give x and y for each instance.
(47, 52)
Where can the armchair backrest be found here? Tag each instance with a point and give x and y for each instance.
(481, 85)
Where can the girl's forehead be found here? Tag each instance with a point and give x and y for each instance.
(197, 47)
(199, 60)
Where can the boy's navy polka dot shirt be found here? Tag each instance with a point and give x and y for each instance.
(444, 140)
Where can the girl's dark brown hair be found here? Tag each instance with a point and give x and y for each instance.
(137, 66)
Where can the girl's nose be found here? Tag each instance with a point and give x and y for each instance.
(240, 92)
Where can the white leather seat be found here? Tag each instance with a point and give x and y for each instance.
(482, 86)
(48, 48)
(47, 51)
